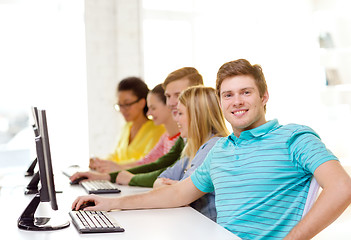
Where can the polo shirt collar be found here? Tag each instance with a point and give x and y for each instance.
(256, 132)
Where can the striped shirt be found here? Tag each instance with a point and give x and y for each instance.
(262, 178)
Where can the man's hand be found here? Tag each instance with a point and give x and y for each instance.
(91, 176)
(101, 203)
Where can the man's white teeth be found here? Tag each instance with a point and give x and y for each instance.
(239, 112)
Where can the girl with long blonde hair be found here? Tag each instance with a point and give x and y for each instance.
(201, 122)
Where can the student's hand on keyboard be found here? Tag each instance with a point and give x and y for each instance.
(101, 203)
(91, 176)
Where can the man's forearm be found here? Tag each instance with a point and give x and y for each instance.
(333, 200)
(176, 195)
(321, 215)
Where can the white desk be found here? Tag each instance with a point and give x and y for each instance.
(177, 223)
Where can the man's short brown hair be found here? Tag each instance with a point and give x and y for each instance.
(241, 67)
(190, 73)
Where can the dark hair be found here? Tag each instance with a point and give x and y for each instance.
(137, 86)
(190, 73)
(159, 92)
(241, 67)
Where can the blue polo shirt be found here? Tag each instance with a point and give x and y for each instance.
(262, 178)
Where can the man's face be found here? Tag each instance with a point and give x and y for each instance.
(172, 92)
(241, 103)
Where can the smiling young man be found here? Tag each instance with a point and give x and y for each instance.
(261, 173)
(176, 82)
(241, 103)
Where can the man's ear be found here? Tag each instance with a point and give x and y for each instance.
(265, 98)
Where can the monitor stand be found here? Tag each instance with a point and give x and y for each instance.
(27, 221)
(30, 170)
(32, 187)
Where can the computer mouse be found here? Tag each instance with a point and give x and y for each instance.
(86, 204)
(74, 166)
(77, 180)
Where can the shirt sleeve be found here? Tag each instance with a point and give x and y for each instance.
(180, 171)
(308, 151)
(145, 179)
(163, 162)
(200, 156)
(175, 172)
(201, 176)
(113, 176)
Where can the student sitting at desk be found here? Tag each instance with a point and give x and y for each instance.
(161, 114)
(146, 174)
(194, 102)
(139, 134)
(201, 122)
(261, 172)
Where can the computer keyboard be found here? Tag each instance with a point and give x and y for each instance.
(94, 222)
(100, 186)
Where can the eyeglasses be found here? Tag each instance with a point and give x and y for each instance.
(118, 107)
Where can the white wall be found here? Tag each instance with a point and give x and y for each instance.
(43, 43)
(281, 36)
(113, 53)
(42, 63)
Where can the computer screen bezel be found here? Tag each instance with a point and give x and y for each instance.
(36, 121)
(46, 176)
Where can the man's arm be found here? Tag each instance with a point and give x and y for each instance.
(176, 195)
(333, 200)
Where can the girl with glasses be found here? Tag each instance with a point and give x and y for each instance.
(139, 134)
